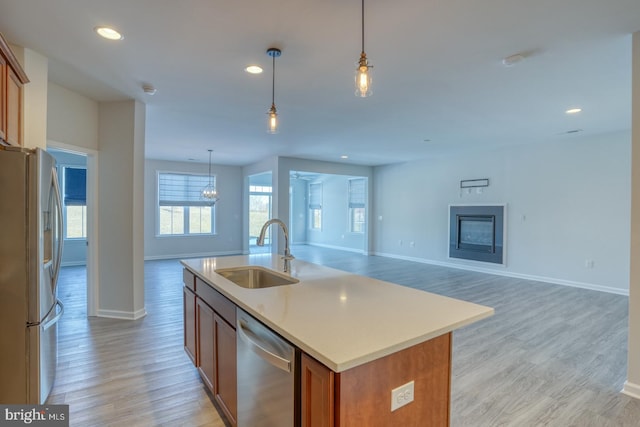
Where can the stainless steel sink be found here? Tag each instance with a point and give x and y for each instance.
(254, 277)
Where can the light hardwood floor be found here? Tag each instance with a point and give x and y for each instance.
(551, 355)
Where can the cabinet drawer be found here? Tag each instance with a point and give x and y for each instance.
(221, 304)
(189, 279)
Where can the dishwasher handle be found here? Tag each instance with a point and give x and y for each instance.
(253, 342)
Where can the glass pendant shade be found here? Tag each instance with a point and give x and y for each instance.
(209, 192)
(363, 71)
(363, 77)
(273, 120)
(272, 125)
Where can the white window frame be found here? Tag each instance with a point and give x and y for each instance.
(60, 169)
(186, 207)
(357, 200)
(315, 205)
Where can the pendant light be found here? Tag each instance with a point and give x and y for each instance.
(273, 114)
(363, 72)
(209, 193)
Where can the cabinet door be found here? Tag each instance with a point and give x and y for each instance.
(14, 108)
(3, 97)
(317, 398)
(205, 342)
(226, 383)
(189, 313)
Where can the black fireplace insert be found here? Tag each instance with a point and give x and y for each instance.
(476, 233)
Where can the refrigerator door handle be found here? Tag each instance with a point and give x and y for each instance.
(53, 321)
(60, 225)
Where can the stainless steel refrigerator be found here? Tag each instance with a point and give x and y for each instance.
(30, 254)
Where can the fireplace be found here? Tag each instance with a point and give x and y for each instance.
(477, 233)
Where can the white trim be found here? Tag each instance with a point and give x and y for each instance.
(631, 390)
(340, 248)
(124, 315)
(93, 265)
(469, 267)
(195, 255)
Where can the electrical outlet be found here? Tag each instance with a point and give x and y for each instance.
(402, 395)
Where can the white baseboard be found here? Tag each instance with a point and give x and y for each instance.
(502, 272)
(194, 255)
(339, 248)
(124, 315)
(631, 390)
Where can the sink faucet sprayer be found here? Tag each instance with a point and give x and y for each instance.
(287, 254)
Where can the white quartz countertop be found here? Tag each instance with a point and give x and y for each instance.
(341, 319)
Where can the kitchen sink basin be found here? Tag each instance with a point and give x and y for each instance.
(253, 277)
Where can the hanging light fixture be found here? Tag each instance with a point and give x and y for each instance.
(209, 193)
(273, 114)
(363, 72)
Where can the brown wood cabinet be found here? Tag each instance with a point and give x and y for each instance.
(206, 354)
(361, 396)
(210, 336)
(12, 79)
(317, 393)
(226, 384)
(189, 311)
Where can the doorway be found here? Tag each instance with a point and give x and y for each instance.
(78, 183)
(329, 210)
(260, 209)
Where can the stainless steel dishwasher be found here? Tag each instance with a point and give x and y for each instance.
(267, 376)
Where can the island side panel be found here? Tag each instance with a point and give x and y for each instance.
(363, 394)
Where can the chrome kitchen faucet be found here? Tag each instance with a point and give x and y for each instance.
(287, 254)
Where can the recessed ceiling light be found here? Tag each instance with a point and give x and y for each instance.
(253, 69)
(108, 33)
(573, 110)
(344, 157)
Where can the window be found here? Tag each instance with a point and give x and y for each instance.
(315, 206)
(259, 211)
(181, 211)
(357, 196)
(74, 189)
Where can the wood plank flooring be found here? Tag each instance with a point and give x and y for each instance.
(551, 355)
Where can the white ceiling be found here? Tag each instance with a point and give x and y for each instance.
(437, 72)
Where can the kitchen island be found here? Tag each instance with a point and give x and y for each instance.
(359, 339)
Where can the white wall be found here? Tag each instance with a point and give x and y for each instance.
(227, 239)
(568, 202)
(120, 206)
(299, 211)
(72, 118)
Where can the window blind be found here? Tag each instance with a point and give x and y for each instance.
(75, 186)
(182, 189)
(357, 193)
(315, 196)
